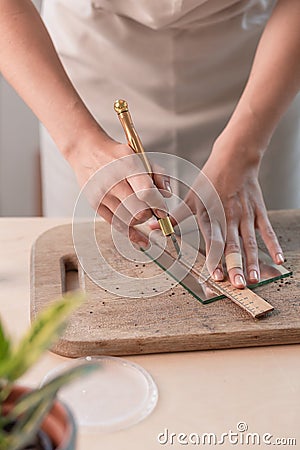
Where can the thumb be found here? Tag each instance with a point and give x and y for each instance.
(180, 213)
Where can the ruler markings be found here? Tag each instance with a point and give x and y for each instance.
(255, 305)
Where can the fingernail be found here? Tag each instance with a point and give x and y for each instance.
(152, 222)
(279, 258)
(253, 275)
(239, 280)
(160, 214)
(168, 186)
(218, 275)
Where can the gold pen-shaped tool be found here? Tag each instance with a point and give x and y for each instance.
(121, 108)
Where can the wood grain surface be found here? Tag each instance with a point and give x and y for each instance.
(108, 324)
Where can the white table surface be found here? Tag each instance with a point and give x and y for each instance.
(199, 392)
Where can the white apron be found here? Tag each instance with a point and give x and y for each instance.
(181, 65)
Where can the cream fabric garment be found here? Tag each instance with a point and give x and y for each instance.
(182, 65)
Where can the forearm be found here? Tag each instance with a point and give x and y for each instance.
(274, 80)
(29, 62)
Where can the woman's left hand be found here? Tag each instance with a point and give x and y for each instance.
(233, 171)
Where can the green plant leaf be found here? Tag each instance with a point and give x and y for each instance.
(27, 428)
(5, 345)
(32, 408)
(44, 331)
(29, 400)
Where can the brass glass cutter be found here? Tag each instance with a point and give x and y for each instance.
(133, 139)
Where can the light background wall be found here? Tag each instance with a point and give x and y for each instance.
(20, 190)
(19, 155)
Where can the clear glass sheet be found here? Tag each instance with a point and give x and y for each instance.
(202, 292)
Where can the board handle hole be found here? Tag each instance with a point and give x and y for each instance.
(69, 274)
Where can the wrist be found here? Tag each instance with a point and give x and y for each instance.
(81, 135)
(244, 137)
(90, 146)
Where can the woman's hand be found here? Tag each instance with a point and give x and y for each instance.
(234, 174)
(233, 171)
(234, 162)
(122, 193)
(78, 136)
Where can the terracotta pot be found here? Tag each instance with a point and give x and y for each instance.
(59, 423)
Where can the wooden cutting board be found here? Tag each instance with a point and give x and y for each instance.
(108, 324)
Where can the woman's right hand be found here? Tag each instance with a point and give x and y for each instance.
(76, 133)
(123, 193)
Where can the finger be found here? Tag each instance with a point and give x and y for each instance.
(143, 186)
(133, 234)
(188, 207)
(269, 237)
(232, 246)
(139, 211)
(117, 209)
(247, 233)
(147, 192)
(218, 273)
(181, 212)
(154, 224)
(214, 267)
(162, 181)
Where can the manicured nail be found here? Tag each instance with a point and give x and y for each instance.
(168, 186)
(279, 258)
(218, 275)
(239, 280)
(159, 213)
(152, 222)
(253, 275)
